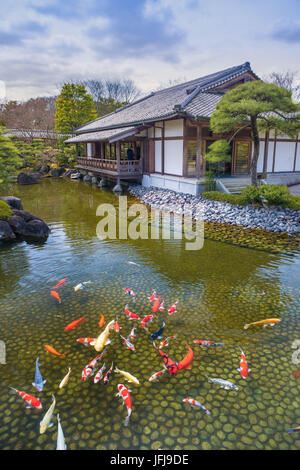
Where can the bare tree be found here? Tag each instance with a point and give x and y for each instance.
(288, 80)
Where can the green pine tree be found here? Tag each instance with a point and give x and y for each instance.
(260, 106)
(10, 161)
(74, 107)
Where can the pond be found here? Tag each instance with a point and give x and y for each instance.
(218, 289)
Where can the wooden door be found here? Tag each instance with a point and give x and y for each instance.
(242, 156)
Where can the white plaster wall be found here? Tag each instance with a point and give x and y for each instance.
(298, 158)
(174, 128)
(174, 157)
(89, 150)
(151, 132)
(158, 130)
(285, 154)
(270, 157)
(260, 162)
(158, 156)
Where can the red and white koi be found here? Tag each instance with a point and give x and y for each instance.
(99, 375)
(130, 315)
(147, 319)
(127, 343)
(152, 297)
(132, 263)
(132, 334)
(129, 292)
(173, 308)
(108, 374)
(31, 401)
(194, 403)
(86, 341)
(125, 395)
(161, 307)
(89, 369)
(243, 369)
(155, 377)
(117, 326)
(166, 342)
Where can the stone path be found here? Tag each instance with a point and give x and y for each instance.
(295, 189)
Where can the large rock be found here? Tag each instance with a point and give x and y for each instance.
(24, 178)
(36, 229)
(17, 224)
(25, 215)
(57, 171)
(6, 232)
(13, 202)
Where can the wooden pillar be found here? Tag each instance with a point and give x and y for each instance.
(163, 149)
(118, 154)
(199, 160)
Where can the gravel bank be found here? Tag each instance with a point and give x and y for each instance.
(271, 219)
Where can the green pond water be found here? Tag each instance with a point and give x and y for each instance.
(219, 291)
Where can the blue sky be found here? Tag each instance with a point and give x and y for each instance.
(46, 42)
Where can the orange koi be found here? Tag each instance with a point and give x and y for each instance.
(156, 304)
(51, 350)
(169, 364)
(243, 369)
(74, 324)
(60, 283)
(55, 295)
(101, 321)
(187, 360)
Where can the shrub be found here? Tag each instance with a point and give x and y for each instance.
(252, 194)
(5, 210)
(236, 199)
(294, 203)
(275, 194)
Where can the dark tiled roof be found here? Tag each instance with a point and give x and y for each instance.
(103, 135)
(195, 98)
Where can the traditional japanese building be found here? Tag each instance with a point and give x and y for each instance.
(160, 139)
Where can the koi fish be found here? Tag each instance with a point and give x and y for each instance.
(74, 324)
(185, 362)
(108, 374)
(117, 326)
(264, 323)
(128, 377)
(223, 383)
(243, 369)
(81, 285)
(132, 263)
(60, 443)
(38, 381)
(55, 295)
(155, 377)
(170, 365)
(207, 344)
(147, 319)
(166, 342)
(60, 283)
(101, 321)
(99, 375)
(89, 369)
(46, 421)
(31, 401)
(196, 404)
(102, 339)
(152, 297)
(132, 316)
(161, 307)
(263, 294)
(129, 292)
(173, 309)
(127, 343)
(156, 304)
(293, 429)
(51, 350)
(65, 380)
(124, 393)
(158, 333)
(86, 341)
(132, 335)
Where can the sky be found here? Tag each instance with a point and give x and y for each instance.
(44, 43)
